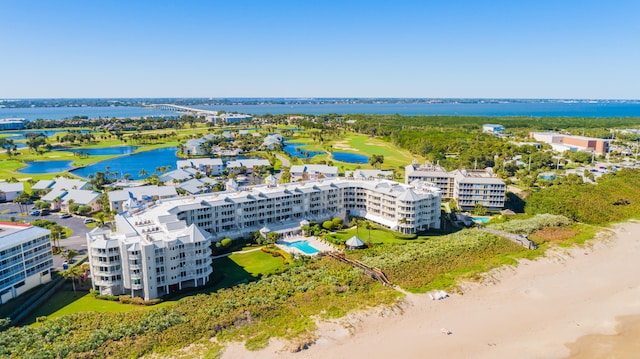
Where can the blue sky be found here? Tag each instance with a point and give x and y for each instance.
(492, 49)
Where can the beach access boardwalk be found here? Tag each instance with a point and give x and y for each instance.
(520, 239)
(372, 272)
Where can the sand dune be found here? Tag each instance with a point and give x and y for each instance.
(532, 311)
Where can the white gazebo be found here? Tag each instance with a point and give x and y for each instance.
(355, 243)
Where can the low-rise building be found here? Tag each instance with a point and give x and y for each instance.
(12, 123)
(210, 166)
(561, 142)
(25, 258)
(248, 165)
(61, 183)
(493, 128)
(61, 199)
(312, 172)
(366, 174)
(9, 191)
(142, 195)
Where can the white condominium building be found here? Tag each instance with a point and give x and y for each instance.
(473, 187)
(25, 258)
(166, 246)
(149, 257)
(467, 187)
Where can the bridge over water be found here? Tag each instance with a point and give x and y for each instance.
(184, 109)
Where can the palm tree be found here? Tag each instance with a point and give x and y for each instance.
(73, 273)
(69, 255)
(142, 173)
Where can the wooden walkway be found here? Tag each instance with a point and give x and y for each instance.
(372, 272)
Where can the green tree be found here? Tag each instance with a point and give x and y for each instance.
(23, 199)
(72, 273)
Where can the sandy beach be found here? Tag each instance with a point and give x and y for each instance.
(579, 302)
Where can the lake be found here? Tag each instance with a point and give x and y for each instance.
(46, 167)
(293, 149)
(349, 157)
(119, 150)
(132, 164)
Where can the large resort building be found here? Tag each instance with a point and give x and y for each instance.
(25, 258)
(162, 247)
(467, 187)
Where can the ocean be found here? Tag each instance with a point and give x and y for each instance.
(492, 109)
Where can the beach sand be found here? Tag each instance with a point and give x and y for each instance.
(583, 302)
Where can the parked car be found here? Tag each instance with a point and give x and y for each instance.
(34, 213)
(65, 215)
(89, 220)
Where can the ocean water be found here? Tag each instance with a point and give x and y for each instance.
(536, 109)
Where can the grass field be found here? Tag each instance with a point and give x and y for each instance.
(374, 236)
(245, 267)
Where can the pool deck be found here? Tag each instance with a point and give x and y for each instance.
(314, 242)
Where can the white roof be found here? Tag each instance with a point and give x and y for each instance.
(81, 197)
(249, 163)
(13, 234)
(11, 187)
(354, 242)
(142, 192)
(199, 162)
(314, 168)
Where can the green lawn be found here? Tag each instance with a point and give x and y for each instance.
(378, 236)
(244, 267)
(66, 302)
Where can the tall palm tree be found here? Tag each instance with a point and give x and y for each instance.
(72, 273)
(142, 173)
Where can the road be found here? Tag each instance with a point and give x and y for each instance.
(77, 240)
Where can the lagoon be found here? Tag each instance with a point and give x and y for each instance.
(349, 157)
(293, 150)
(119, 150)
(46, 167)
(133, 164)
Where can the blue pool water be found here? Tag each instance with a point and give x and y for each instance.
(304, 246)
(481, 219)
(350, 157)
(47, 166)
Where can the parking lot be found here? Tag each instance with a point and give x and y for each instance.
(76, 241)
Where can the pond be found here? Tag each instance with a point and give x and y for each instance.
(350, 157)
(120, 150)
(46, 167)
(293, 149)
(133, 164)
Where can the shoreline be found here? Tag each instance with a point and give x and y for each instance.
(546, 308)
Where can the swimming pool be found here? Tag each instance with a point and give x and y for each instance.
(304, 246)
(481, 219)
